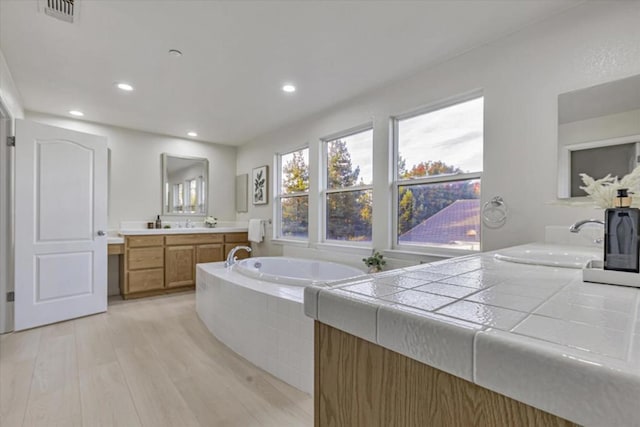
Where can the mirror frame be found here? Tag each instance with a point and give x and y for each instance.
(165, 159)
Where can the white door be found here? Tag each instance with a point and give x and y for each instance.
(60, 223)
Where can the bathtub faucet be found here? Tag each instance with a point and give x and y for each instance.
(231, 258)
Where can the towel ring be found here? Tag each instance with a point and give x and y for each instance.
(495, 211)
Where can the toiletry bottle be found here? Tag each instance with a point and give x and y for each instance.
(158, 222)
(622, 235)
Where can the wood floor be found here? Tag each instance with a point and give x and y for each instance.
(146, 362)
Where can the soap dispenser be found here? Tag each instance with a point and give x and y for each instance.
(622, 235)
(158, 222)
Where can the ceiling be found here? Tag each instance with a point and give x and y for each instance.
(236, 56)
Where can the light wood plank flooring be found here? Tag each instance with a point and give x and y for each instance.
(147, 362)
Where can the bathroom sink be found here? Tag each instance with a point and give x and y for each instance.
(550, 255)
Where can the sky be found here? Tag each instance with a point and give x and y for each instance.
(453, 134)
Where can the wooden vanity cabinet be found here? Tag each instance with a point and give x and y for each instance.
(143, 266)
(167, 263)
(231, 240)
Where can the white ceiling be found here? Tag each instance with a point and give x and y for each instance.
(237, 55)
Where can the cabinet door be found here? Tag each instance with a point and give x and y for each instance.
(179, 261)
(209, 253)
(239, 254)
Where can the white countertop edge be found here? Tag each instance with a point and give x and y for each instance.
(153, 231)
(568, 383)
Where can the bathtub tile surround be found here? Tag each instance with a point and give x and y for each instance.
(258, 311)
(536, 334)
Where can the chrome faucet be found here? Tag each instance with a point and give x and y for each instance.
(575, 228)
(231, 258)
(187, 223)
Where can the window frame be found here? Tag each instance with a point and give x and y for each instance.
(397, 182)
(325, 190)
(279, 195)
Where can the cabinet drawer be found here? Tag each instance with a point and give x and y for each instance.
(145, 258)
(193, 239)
(144, 241)
(145, 280)
(239, 254)
(236, 238)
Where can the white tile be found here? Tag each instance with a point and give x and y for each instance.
(469, 282)
(571, 384)
(592, 316)
(348, 312)
(372, 289)
(420, 300)
(452, 291)
(573, 296)
(443, 343)
(513, 302)
(533, 290)
(609, 342)
(425, 275)
(483, 314)
(401, 281)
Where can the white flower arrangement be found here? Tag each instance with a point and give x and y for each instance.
(210, 221)
(603, 191)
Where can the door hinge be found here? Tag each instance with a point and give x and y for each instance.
(11, 141)
(11, 296)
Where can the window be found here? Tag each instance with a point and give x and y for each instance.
(439, 169)
(292, 201)
(348, 192)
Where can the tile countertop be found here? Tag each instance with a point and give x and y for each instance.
(537, 334)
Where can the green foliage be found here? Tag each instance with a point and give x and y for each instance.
(375, 260)
(295, 210)
(349, 213)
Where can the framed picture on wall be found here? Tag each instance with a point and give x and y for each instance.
(260, 185)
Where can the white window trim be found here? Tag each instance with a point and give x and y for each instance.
(324, 190)
(277, 201)
(431, 250)
(564, 160)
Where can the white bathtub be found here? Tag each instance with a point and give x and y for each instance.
(294, 271)
(264, 321)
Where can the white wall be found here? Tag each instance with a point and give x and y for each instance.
(600, 128)
(135, 169)
(10, 108)
(521, 76)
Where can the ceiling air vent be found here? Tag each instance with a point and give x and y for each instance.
(61, 9)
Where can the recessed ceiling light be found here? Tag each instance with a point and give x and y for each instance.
(124, 86)
(289, 88)
(192, 134)
(175, 52)
(76, 113)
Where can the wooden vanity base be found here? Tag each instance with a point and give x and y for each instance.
(360, 384)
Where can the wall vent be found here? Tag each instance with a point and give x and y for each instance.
(60, 9)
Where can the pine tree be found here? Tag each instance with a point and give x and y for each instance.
(349, 212)
(295, 209)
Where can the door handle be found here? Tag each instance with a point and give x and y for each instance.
(101, 233)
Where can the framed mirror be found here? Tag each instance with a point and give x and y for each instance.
(598, 133)
(185, 183)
